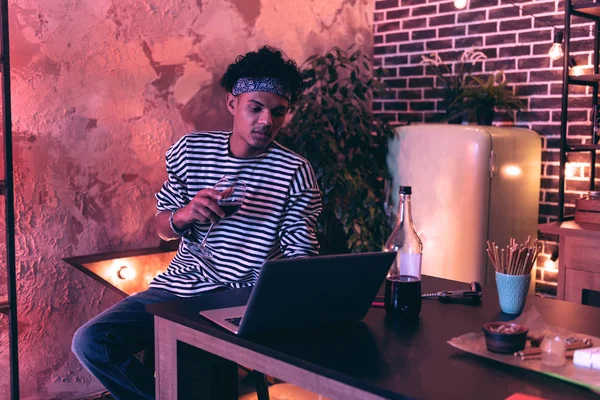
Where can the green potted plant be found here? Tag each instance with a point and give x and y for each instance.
(452, 80)
(484, 97)
(334, 127)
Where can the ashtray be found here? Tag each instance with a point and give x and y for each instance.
(505, 337)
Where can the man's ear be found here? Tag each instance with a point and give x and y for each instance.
(231, 102)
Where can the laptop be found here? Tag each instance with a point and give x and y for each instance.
(300, 292)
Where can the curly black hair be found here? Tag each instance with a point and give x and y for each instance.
(266, 62)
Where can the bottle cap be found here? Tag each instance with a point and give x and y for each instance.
(405, 190)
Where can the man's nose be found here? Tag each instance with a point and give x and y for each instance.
(266, 118)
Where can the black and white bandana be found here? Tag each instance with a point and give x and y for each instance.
(264, 84)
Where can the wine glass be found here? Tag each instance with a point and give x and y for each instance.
(234, 191)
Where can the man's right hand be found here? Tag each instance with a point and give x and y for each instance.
(202, 209)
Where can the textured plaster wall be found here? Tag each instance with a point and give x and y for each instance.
(101, 88)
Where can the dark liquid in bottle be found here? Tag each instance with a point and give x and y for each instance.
(403, 295)
(230, 208)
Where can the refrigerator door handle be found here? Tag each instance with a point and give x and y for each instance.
(492, 164)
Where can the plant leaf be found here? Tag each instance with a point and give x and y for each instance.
(334, 127)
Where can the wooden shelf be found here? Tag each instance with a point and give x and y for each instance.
(571, 228)
(590, 10)
(4, 304)
(150, 261)
(583, 147)
(588, 79)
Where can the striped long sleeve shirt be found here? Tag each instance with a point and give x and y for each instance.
(277, 218)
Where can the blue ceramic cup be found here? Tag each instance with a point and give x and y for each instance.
(512, 292)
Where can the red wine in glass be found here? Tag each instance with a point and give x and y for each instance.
(230, 207)
(235, 190)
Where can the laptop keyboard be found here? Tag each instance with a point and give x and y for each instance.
(235, 321)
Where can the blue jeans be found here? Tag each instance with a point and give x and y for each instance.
(106, 345)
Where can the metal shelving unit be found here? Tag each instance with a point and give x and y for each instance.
(8, 304)
(589, 11)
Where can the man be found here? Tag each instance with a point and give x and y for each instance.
(276, 219)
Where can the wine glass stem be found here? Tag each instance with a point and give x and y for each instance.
(203, 243)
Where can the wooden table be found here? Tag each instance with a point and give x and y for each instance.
(376, 358)
(578, 261)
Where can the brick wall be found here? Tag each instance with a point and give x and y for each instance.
(514, 42)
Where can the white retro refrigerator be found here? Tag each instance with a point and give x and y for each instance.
(470, 184)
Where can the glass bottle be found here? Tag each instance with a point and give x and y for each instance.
(403, 283)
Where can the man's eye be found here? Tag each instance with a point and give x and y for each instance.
(255, 109)
(278, 113)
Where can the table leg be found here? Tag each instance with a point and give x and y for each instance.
(203, 375)
(165, 356)
(185, 372)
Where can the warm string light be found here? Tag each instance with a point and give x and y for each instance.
(570, 170)
(460, 4)
(575, 70)
(125, 272)
(556, 51)
(550, 265)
